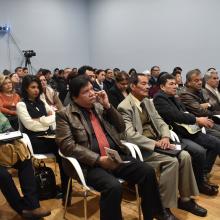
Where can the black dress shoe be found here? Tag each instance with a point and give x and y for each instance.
(207, 181)
(35, 213)
(193, 207)
(207, 189)
(166, 215)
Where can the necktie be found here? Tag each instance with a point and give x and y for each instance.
(99, 133)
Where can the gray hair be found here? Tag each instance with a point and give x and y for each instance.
(191, 73)
(208, 74)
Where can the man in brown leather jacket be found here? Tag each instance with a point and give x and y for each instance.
(77, 137)
(195, 102)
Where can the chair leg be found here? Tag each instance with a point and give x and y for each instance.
(67, 195)
(138, 202)
(55, 163)
(85, 204)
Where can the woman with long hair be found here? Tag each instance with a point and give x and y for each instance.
(49, 95)
(37, 120)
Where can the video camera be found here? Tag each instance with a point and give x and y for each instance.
(29, 53)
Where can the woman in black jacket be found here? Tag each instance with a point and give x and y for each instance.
(119, 91)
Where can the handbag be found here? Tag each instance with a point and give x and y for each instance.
(13, 151)
(46, 182)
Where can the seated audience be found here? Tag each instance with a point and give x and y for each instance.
(53, 79)
(177, 74)
(109, 79)
(74, 70)
(66, 73)
(84, 129)
(37, 120)
(116, 71)
(199, 145)
(155, 72)
(119, 91)
(176, 70)
(62, 86)
(16, 83)
(211, 92)
(83, 70)
(49, 95)
(67, 99)
(8, 100)
(47, 73)
(98, 83)
(6, 72)
(195, 102)
(20, 72)
(87, 70)
(145, 128)
(28, 205)
(132, 71)
(25, 71)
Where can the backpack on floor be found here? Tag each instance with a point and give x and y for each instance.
(46, 182)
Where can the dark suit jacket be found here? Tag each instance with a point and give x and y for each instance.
(98, 88)
(109, 84)
(173, 111)
(115, 96)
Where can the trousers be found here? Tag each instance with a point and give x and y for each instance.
(135, 172)
(28, 186)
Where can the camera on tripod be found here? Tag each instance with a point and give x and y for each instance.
(29, 53)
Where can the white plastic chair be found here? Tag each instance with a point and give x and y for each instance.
(27, 141)
(174, 137)
(203, 130)
(87, 188)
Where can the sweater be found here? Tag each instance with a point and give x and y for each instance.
(8, 103)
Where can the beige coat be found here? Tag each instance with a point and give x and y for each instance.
(133, 123)
(172, 170)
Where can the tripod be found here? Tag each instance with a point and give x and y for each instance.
(28, 65)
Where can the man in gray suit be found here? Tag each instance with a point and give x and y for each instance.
(145, 128)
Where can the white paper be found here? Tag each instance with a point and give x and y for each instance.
(178, 147)
(10, 135)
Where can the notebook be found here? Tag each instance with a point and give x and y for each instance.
(171, 152)
(9, 136)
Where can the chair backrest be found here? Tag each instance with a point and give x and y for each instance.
(27, 141)
(20, 125)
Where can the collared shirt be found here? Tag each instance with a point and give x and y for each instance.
(94, 144)
(148, 130)
(215, 91)
(136, 102)
(101, 85)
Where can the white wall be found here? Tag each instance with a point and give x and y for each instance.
(113, 33)
(56, 29)
(143, 33)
